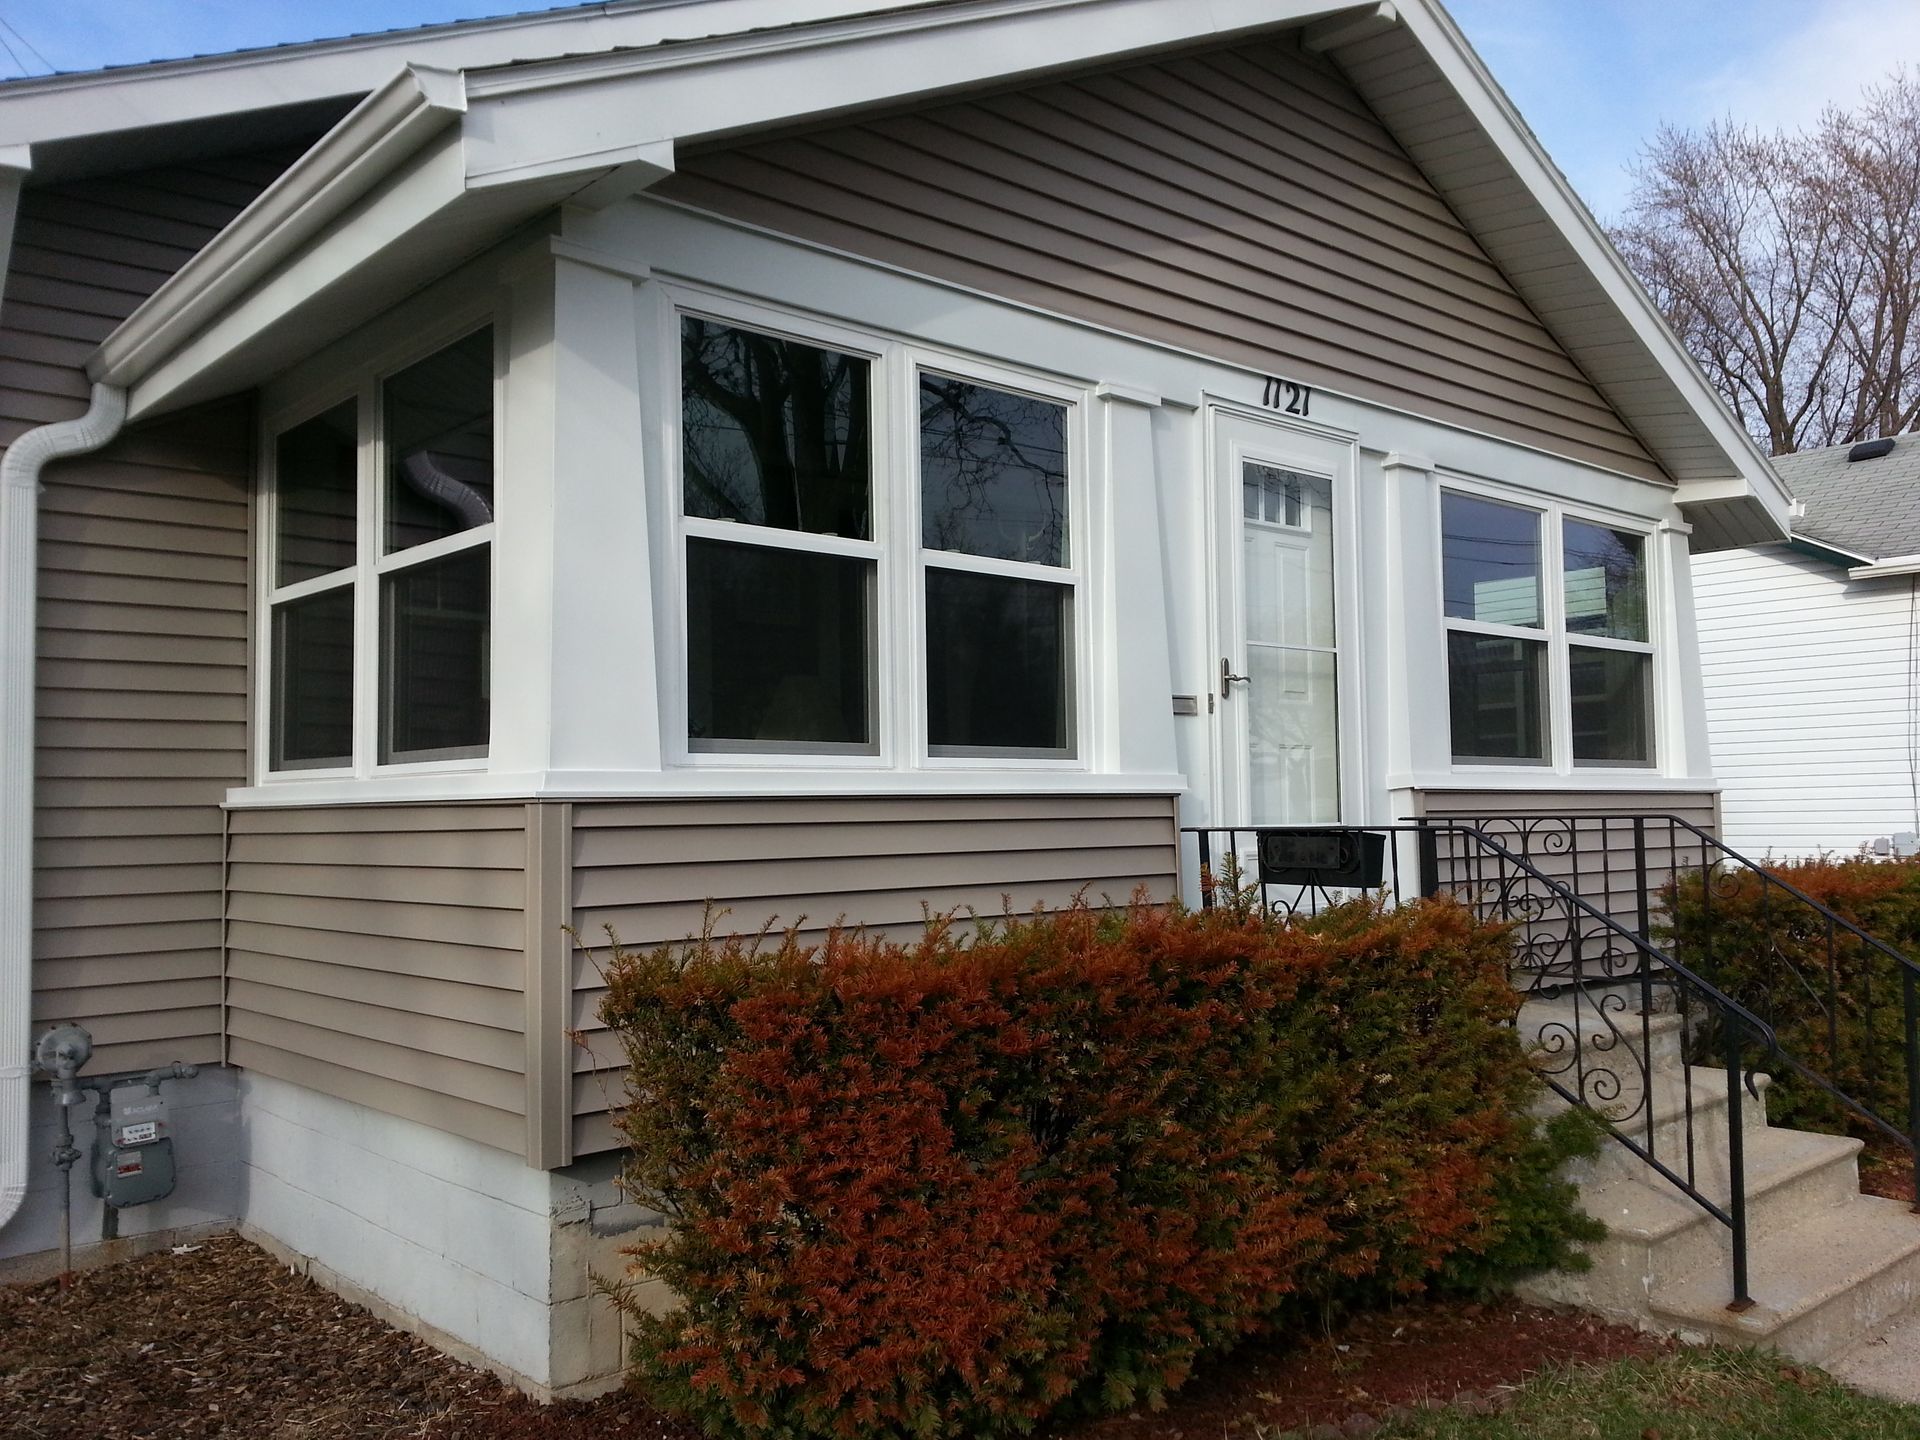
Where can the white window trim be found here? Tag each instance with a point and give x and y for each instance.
(363, 384)
(1554, 512)
(899, 623)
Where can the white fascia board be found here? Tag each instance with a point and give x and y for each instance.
(182, 359)
(588, 111)
(1892, 565)
(1504, 128)
(383, 132)
(103, 102)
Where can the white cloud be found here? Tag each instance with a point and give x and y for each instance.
(1783, 82)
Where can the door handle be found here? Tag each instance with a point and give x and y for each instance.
(1229, 679)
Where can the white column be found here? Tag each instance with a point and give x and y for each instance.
(1134, 672)
(1682, 717)
(1414, 696)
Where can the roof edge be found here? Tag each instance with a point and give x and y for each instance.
(392, 123)
(1504, 126)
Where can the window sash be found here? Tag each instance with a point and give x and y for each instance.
(901, 562)
(1559, 641)
(374, 568)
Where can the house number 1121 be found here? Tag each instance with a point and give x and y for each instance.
(1287, 397)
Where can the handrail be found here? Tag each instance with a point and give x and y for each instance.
(1595, 1087)
(1716, 855)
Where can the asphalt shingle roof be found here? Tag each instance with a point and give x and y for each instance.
(1867, 507)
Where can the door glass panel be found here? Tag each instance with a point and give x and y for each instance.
(1291, 695)
(1293, 749)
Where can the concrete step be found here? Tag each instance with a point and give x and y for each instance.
(1602, 1026)
(1655, 1232)
(1685, 1103)
(1819, 1286)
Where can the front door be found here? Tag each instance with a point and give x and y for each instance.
(1283, 500)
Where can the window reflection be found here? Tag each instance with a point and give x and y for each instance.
(316, 482)
(1606, 583)
(997, 663)
(773, 431)
(1490, 557)
(993, 472)
(439, 427)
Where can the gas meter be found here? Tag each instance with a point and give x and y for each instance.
(133, 1153)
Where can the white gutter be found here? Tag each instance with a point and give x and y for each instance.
(1892, 565)
(349, 160)
(19, 542)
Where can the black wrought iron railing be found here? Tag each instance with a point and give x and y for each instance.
(1599, 998)
(1845, 1003)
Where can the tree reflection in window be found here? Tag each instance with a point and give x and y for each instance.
(774, 432)
(993, 472)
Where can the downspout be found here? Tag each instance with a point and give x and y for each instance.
(20, 471)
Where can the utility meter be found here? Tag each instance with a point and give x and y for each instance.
(133, 1157)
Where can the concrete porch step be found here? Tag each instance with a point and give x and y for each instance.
(1820, 1286)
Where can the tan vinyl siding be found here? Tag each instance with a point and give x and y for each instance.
(1243, 204)
(648, 869)
(378, 953)
(142, 675)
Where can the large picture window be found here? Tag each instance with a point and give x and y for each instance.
(809, 537)
(1524, 588)
(381, 542)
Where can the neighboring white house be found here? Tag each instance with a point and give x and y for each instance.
(1811, 656)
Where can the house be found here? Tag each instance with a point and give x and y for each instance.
(814, 456)
(1809, 651)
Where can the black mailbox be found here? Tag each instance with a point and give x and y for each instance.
(1338, 858)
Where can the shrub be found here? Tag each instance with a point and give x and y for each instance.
(1770, 952)
(952, 1187)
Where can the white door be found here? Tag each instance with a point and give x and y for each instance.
(1284, 503)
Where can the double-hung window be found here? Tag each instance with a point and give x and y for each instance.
(995, 553)
(815, 547)
(1549, 654)
(380, 571)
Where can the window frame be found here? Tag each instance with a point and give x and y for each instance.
(364, 385)
(898, 672)
(1553, 514)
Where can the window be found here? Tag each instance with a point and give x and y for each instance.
(802, 529)
(777, 486)
(993, 531)
(1511, 609)
(424, 564)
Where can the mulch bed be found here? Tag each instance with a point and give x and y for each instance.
(1886, 1169)
(218, 1339)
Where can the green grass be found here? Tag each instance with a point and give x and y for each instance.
(1709, 1394)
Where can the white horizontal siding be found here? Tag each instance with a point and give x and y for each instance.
(1810, 685)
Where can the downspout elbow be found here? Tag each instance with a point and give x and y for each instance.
(20, 470)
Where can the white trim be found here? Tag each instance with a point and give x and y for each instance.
(20, 471)
(715, 783)
(389, 126)
(1552, 512)
(364, 384)
(1504, 128)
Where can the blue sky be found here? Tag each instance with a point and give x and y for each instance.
(1594, 77)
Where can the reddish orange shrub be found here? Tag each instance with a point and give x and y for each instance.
(951, 1187)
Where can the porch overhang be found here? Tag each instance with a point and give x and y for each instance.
(437, 166)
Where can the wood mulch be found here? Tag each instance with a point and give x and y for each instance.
(220, 1340)
(1886, 1169)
